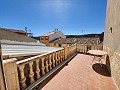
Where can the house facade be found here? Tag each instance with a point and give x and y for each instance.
(111, 39)
(63, 42)
(47, 38)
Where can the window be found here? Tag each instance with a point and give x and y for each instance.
(41, 38)
(59, 45)
(46, 38)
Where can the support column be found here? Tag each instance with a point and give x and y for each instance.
(22, 77)
(37, 69)
(61, 55)
(56, 58)
(31, 75)
(46, 62)
(43, 67)
(65, 52)
(50, 63)
(53, 59)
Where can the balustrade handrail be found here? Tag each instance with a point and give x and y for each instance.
(90, 44)
(83, 48)
(25, 61)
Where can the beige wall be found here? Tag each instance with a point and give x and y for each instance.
(44, 40)
(2, 87)
(11, 74)
(112, 39)
(57, 45)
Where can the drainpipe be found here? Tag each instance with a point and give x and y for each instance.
(2, 67)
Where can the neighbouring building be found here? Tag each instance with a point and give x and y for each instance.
(21, 32)
(15, 35)
(47, 38)
(112, 39)
(63, 42)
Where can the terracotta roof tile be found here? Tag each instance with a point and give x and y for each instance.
(82, 40)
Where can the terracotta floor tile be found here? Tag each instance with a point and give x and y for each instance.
(79, 74)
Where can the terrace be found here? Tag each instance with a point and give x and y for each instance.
(79, 74)
(34, 66)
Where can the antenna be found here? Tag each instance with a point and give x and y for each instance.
(82, 31)
(26, 30)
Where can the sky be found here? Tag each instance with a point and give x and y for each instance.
(72, 17)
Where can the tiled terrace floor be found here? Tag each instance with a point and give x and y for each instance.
(81, 75)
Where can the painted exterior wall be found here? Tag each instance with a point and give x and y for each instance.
(58, 45)
(47, 38)
(112, 39)
(57, 34)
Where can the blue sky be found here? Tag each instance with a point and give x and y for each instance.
(42, 16)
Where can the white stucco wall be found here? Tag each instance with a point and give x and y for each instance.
(56, 35)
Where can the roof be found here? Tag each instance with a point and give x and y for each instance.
(14, 30)
(5, 34)
(82, 40)
(16, 49)
(18, 31)
(48, 34)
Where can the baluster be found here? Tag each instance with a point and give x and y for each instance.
(61, 55)
(31, 75)
(46, 62)
(22, 77)
(83, 48)
(53, 59)
(50, 63)
(56, 59)
(43, 67)
(37, 69)
(68, 52)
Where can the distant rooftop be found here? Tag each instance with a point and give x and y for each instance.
(82, 40)
(50, 33)
(18, 31)
(14, 30)
(6, 34)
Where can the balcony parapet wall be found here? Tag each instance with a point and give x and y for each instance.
(24, 69)
(21, 73)
(83, 48)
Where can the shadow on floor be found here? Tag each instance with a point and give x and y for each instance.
(50, 77)
(101, 69)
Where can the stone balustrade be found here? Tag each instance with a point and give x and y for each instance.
(27, 71)
(34, 69)
(83, 48)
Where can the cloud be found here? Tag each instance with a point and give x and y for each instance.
(56, 6)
